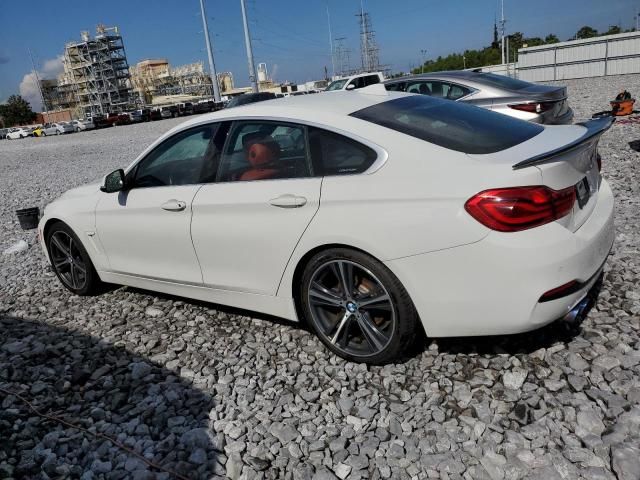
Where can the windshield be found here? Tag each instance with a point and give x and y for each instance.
(337, 85)
(503, 82)
(453, 125)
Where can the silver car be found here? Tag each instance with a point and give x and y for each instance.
(516, 98)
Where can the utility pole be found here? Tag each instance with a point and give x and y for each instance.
(502, 23)
(424, 59)
(464, 62)
(35, 74)
(637, 21)
(212, 65)
(333, 62)
(247, 41)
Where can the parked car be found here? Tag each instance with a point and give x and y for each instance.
(354, 82)
(155, 114)
(58, 128)
(169, 111)
(145, 114)
(100, 121)
(432, 213)
(526, 101)
(18, 132)
(116, 119)
(3, 133)
(135, 117)
(185, 108)
(248, 98)
(37, 131)
(82, 125)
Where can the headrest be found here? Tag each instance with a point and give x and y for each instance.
(262, 153)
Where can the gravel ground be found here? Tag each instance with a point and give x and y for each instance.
(202, 391)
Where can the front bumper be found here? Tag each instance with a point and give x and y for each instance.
(493, 286)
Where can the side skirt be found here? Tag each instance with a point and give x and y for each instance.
(276, 306)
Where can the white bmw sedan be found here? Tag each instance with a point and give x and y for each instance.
(369, 215)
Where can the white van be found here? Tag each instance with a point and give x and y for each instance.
(360, 80)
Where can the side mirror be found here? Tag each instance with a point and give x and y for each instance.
(114, 182)
(351, 86)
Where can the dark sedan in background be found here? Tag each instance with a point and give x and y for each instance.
(528, 101)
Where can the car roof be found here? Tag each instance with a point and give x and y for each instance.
(338, 103)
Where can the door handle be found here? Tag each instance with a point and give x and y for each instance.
(288, 201)
(174, 205)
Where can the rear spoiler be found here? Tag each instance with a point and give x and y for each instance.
(595, 128)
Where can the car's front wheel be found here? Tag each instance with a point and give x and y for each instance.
(70, 261)
(357, 306)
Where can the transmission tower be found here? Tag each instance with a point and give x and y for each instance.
(368, 46)
(342, 57)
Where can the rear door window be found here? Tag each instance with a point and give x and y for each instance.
(455, 91)
(453, 125)
(258, 150)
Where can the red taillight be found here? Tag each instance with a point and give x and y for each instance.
(519, 208)
(533, 107)
(561, 291)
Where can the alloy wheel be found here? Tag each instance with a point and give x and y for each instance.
(67, 260)
(351, 308)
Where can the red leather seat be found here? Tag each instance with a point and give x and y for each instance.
(261, 156)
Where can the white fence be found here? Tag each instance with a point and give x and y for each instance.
(593, 57)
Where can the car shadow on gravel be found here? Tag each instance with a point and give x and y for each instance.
(635, 145)
(558, 331)
(76, 406)
(528, 342)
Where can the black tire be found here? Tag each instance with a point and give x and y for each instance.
(399, 329)
(90, 283)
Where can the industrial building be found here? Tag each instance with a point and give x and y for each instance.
(96, 77)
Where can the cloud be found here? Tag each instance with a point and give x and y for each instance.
(29, 87)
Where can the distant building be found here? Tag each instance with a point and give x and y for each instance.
(225, 80)
(155, 77)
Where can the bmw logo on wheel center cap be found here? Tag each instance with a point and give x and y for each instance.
(352, 307)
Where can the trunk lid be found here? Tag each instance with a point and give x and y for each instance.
(570, 159)
(553, 101)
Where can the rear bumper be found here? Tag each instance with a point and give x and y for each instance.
(493, 286)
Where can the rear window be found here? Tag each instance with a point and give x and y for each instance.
(502, 82)
(453, 125)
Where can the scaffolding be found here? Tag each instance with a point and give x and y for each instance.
(96, 73)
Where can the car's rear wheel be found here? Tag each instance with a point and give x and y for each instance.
(70, 261)
(357, 306)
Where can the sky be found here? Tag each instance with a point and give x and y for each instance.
(291, 37)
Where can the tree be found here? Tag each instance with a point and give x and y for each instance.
(551, 38)
(587, 32)
(613, 29)
(16, 111)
